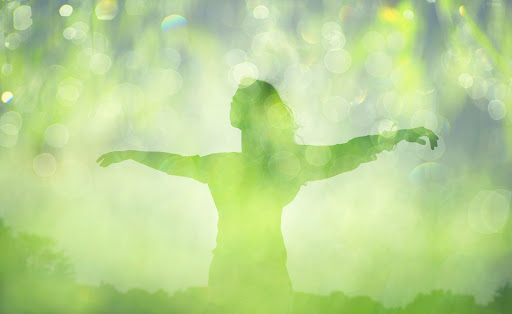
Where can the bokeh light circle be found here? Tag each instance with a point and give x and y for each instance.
(318, 155)
(22, 17)
(465, 80)
(69, 91)
(7, 69)
(408, 14)
(11, 122)
(245, 73)
(100, 63)
(337, 60)
(57, 135)
(333, 37)
(13, 41)
(260, 12)
(173, 22)
(66, 10)
(106, 10)
(496, 109)
(7, 96)
(489, 211)
(44, 165)
(428, 173)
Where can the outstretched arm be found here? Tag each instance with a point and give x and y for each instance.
(185, 166)
(348, 156)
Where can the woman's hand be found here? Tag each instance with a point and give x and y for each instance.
(414, 136)
(107, 159)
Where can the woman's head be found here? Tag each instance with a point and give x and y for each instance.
(258, 108)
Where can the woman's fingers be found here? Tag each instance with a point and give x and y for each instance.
(421, 141)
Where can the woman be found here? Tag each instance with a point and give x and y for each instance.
(250, 188)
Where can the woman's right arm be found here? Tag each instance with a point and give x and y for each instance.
(173, 164)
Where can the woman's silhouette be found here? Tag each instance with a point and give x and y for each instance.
(248, 272)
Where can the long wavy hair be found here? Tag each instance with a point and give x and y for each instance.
(260, 106)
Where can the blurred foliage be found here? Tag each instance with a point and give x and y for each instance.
(35, 278)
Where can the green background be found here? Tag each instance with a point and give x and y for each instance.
(113, 75)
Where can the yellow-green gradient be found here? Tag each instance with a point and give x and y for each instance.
(82, 78)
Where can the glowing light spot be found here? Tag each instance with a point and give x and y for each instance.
(496, 109)
(100, 63)
(431, 1)
(7, 69)
(44, 165)
(378, 64)
(337, 60)
(245, 73)
(11, 122)
(106, 9)
(260, 12)
(408, 14)
(7, 97)
(389, 14)
(489, 211)
(462, 10)
(69, 33)
(465, 80)
(65, 10)
(22, 17)
(173, 22)
(336, 109)
(57, 135)
(318, 155)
